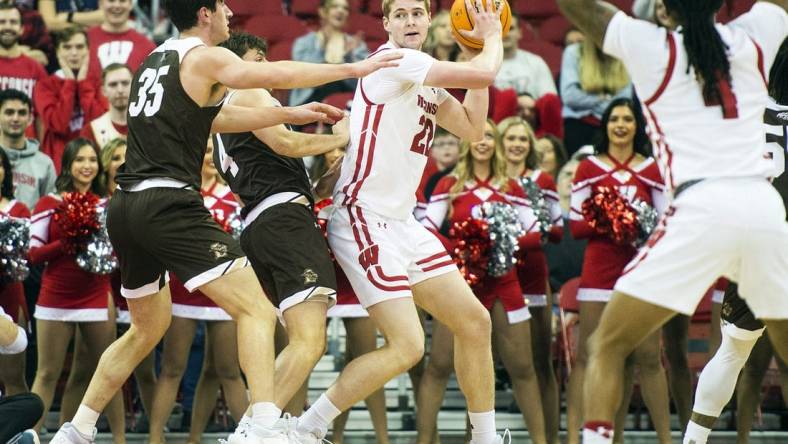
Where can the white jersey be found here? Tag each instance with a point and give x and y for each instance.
(392, 124)
(693, 140)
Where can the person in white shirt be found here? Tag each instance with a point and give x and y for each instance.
(724, 218)
(523, 71)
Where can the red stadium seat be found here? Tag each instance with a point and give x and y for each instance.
(341, 100)
(624, 5)
(538, 9)
(549, 52)
(554, 29)
(280, 51)
(732, 9)
(248, 8)
(275, 28)
(305, 8)
(374, 44)
(527, 31)
(371, 27)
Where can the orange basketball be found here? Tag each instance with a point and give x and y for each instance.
(460, 19)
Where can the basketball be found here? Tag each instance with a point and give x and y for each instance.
(460, 19)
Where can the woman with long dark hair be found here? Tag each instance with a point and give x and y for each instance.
(621, 162)
(71, 299)
(480, 176)
(12, 294)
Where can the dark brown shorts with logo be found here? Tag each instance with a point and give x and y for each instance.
(290, 256)
(735, 310)
(167, 229)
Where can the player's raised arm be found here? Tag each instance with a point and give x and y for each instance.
(589, 16)
(226, 68)
(480, 71)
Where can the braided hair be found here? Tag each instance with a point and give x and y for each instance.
(704, 46)
(778, 76)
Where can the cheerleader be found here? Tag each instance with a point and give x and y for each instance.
(621, 162)
(113, 155)
(221, 351)
(519, 147)
(12, 294)
(479, 177)
(71, 299)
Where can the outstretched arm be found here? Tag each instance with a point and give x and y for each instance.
(291, 143)
(589, 16)
(238, 119)
(229, 70)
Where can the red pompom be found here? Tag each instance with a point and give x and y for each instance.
(77, 217)
(611, 214)
(471, 249)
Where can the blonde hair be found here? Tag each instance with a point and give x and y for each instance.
(387, 7)
(599, 72)
(531, 159)
(108, 150)
(464, 169)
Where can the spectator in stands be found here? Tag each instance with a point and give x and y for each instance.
(34, 172)
(329, 44)
(115, 85)
(34, 40)
(572, 36)
(565, 259)
(440, 43)
(590, 80)
(552, 154)
(17, 69)
(544, 114)
(61, 14)
(445, 152)
(114, 41)
(18, 412)
(521, 70)
(69, 97)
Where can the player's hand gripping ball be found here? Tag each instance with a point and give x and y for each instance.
(462, 19)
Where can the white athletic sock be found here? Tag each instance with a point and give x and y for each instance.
(85, 420)
(598, 432)
(318, 417)
(265, 414)
(696, 434)
(482, 427)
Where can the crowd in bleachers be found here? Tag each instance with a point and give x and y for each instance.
(66, 69)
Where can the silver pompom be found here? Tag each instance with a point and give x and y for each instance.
(505, 229)
(14, 245)
(234, 224)
(647, 220)
(97, 256)
(539, 205)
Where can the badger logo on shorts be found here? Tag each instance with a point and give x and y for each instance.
(218, 249)
(310, 277)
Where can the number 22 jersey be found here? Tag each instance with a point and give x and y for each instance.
(168, 131)
(392, 124)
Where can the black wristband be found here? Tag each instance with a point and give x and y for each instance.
(70, 18)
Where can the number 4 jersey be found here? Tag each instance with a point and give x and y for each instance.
(168, 131)
(392, 124)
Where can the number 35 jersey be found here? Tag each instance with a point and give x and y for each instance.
(392, 124)
(168, 131)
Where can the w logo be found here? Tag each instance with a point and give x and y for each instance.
(368, 257)
(114, 52)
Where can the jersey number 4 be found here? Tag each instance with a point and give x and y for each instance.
(423, 139)
(150, 93)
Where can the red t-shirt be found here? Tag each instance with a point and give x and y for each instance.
(21, 73)
(128, 47)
